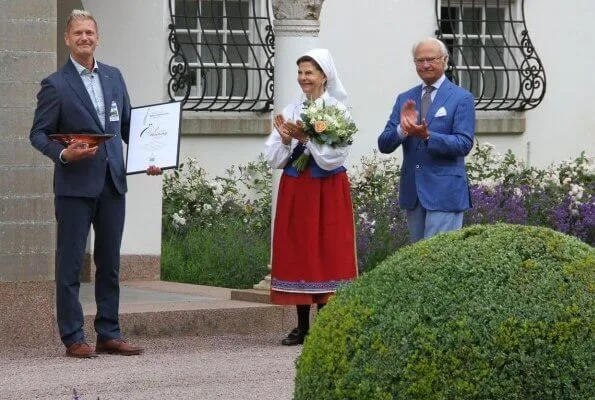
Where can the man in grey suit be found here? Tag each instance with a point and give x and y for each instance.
(89, 183)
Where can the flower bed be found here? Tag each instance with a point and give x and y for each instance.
(224, 211)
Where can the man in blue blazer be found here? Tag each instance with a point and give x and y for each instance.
(435, 124)
(86, 96)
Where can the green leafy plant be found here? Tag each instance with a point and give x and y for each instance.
(488, 312)
(224, 254)
(216, 231)
(380, 223)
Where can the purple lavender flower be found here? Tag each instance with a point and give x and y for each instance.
(576, 220)
(495, 205)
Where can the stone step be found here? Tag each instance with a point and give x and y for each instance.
(166, 309)
(251, 295)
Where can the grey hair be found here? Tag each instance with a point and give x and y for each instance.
(439, 43)
(80, 15)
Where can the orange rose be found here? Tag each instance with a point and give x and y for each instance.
(319, 126)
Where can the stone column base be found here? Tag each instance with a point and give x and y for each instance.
(27, 317)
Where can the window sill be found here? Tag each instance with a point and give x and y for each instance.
(226, 123)
(499, 123)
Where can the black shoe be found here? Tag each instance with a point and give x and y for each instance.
(294, 338)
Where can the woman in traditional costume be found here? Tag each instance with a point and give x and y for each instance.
(313, 234)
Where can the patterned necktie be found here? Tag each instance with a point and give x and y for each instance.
(426, 100)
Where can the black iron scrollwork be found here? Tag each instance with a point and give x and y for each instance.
(222, 55)
(179, 81)
(491, 53)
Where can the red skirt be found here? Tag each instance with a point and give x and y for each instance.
(313, 239)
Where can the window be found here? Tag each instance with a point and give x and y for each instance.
(222, 55)
(491, 52)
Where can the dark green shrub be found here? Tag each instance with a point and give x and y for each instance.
(488, 312)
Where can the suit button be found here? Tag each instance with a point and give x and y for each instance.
(106, 158)
(417, 166)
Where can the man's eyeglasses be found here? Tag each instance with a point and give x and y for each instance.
(431, 60)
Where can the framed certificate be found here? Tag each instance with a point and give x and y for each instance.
(154, 137)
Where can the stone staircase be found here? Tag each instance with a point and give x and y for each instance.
(147, 309)
(169, 309)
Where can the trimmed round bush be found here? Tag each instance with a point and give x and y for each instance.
(488, 312)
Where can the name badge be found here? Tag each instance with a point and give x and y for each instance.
(113, 114)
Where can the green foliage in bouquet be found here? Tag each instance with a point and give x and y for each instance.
(325, 124)
(488, 312)
(328, 124)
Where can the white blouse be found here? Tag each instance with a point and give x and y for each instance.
(327, 157)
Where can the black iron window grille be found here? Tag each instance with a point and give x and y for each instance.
(222, 55)
(491, 53)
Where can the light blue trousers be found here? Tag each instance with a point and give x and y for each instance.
(424, 224)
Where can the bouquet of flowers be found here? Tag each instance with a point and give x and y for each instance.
(325, 124)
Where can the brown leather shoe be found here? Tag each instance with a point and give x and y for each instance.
(80, 350)
(118, 346)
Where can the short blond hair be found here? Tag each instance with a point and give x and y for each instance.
(80, 15)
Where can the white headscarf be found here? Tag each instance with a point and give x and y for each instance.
(333, 83)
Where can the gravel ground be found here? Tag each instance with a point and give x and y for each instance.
(202, 368)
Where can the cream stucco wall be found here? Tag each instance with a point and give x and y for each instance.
(371, 43)
(133, 37)
(564, 123)
(371, 46)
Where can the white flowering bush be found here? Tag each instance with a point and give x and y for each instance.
(192, 198)
(560, 196)
(216, 231)
(503, 189)
(380, 223)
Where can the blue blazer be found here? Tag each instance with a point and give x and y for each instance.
(63, 105)
(433, 172)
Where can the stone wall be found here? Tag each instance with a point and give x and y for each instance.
(27, 228)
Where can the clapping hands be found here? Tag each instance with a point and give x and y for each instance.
(409, 124)
(289, 129)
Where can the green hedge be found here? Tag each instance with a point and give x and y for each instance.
(488, 312)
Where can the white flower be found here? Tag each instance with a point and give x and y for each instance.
(363, 217)
(488, 184)
(191, 196)
(178, 220)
